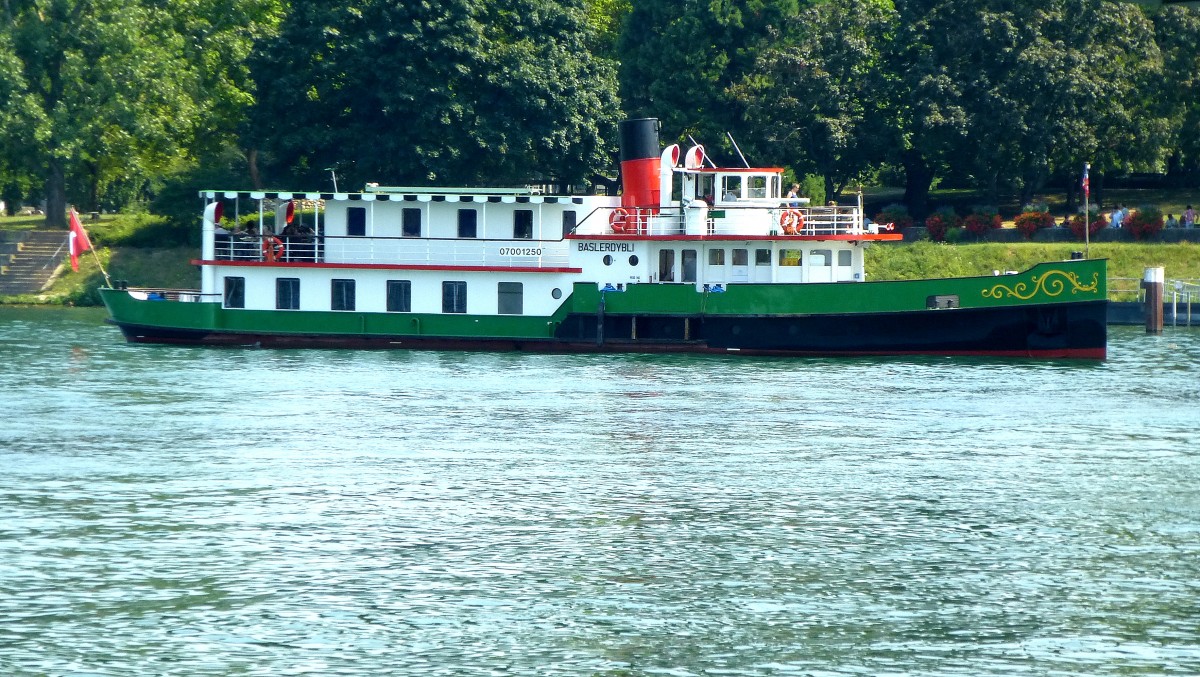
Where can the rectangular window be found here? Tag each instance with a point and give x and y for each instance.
(820, 257)
(467, 223)
(454, 296)
(844, 257)
(757, 188)
(235, 292)
(523, 224)
(342, 295)
(412, 222)
(689, 265)
(287, 293)
(716, 257)
(741, 257)
(399, 296)
(356, 221)
(789, 257)
(666, 265)
(762, 257)
(568, 222)
(731, 188)
(511, 298)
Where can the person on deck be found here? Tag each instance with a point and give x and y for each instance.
(1189, 218)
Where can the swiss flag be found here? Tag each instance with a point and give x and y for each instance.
(79, 241)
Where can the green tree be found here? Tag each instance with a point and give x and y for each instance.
(1177, 31)
(454, 92)
(680, 62)
(816, 96)
(103, 93)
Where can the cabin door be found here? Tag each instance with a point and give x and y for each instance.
(740, 270)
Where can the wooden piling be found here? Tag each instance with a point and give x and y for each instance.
(1152, 282)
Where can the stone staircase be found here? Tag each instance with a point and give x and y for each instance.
(29, 258)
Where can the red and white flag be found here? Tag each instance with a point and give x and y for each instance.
(79, 241)
(1087, 185)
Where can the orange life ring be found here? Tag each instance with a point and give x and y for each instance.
(791, 221)
(272, 249)
(620, 221)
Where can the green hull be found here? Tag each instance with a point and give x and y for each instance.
(924, 316)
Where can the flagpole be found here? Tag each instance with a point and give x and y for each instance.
(102, 270)
(1087, 212)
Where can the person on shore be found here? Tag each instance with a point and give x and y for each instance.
(1118, 216)
(1189, 218)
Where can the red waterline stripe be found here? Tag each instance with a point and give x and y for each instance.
(385, 266)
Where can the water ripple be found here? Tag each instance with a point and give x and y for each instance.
(184, 511)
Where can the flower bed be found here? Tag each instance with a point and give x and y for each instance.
(1029, 223)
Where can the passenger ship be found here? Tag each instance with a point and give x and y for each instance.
(688, 258)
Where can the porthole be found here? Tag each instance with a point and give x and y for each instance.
(556, 293)
(608, 259)
(633, 260)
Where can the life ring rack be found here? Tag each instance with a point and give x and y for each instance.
(622, 221)
(272, 249)
(791, 221)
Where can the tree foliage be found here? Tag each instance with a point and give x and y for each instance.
(104, 92)
(457, 91)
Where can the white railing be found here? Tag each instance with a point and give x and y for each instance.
(754, 220)
(395, 251)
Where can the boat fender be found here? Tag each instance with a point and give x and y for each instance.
(272, 249)
(791, 221)
(619, 220)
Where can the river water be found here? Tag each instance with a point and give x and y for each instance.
(198, 511)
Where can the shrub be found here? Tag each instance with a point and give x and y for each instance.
(896, 214)
(940, 222)
(1031, 222)
(1145, 223)
(982, 220)
(1098, 221)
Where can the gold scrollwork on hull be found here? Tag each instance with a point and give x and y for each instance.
(1052, 283)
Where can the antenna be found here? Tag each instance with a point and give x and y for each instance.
(739, 150)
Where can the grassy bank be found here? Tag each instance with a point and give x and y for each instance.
(917, 260)
(167, 267)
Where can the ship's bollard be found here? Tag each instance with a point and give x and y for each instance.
(1152, 282)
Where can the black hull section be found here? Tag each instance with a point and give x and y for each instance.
(1074, 330)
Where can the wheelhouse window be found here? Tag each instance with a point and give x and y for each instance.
(569, 220)
(689, 265)
(844, 257)
(356, 221)
(523, 224)
(762, 257)
(411, 226)
(510, 299)
(716, 257)
(789, 257)
(287, 293)
(454, 296)
(342, 295)
(399, 296)
(820, 257)
(235, 292)
(757, 187)
(731, 188)
(741, 257)
(468, 223)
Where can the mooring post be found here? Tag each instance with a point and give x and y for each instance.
(1152, 282)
